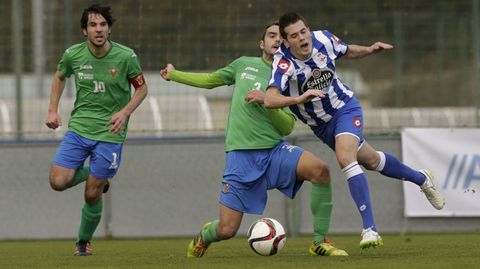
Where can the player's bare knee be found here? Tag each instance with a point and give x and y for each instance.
(344, 160)
(92, 195)
(58, 183)
(321, 174)
(371, 163)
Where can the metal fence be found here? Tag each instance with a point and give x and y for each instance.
(435, 63)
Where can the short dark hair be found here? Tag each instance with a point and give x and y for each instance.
(268, 26)
(287, 19)
(101, 9)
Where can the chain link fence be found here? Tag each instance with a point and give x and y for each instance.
(431, 78)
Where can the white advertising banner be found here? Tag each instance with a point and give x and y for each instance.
(453, 155)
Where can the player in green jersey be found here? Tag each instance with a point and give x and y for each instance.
(104, 72)
(257, 157)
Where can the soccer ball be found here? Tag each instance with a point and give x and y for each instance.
(266, 236)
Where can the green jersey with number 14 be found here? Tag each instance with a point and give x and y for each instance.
(102, 88)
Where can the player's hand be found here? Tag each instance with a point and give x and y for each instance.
(309, 95)
(255, 96)
(379, 46)
(117, 122)
(53, 120)
(165, 72)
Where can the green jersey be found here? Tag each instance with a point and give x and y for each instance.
(249, 126)
(102, 88)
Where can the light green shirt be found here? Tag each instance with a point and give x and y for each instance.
(102, 88)
(250, 126)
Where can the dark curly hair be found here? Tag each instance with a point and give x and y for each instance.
(101, 9)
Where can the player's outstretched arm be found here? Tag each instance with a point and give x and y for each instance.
(357, 51)
(199, 80)
(274, 99)
(53, 120)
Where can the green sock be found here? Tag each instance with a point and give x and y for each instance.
(80, 176)
(91, 215)
(209, 235)
(321, 207)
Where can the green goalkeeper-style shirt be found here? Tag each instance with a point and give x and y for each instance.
(250, 126)
(102, 88)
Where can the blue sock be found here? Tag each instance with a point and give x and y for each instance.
(357, 183)
(390, 166)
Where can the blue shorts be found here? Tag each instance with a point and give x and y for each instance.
(250, 173)
(349, 119)
(104, 157)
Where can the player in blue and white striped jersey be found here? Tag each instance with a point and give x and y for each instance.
(304, 78)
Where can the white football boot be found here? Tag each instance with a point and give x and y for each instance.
(433, 195)
(370, 238)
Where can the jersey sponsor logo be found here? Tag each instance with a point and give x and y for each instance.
(357, 122)
(113, 72)
(82, 75)
(249, 68)
(320, 79)
(248, 76)
(283, 65)
(86, 67)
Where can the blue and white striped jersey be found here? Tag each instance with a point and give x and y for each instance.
(293, 77)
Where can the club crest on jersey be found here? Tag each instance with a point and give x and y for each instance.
(357, 122)
(283, 65)
(321, 59)
(113, 72)
(320, 79)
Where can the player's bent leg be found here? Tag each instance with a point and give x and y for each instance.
(368, 157)
(325, 248)
(61, 177)
(214, 231)
(229, 224)
(313, 169)
(390, 166)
